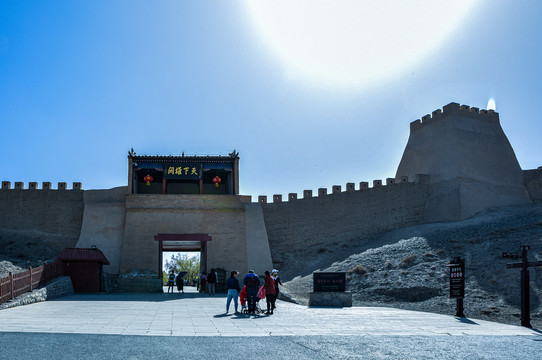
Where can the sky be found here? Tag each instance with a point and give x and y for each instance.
(310, 93)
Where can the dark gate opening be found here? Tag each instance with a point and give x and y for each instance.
(183, 243)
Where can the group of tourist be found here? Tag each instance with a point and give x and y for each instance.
(172, 279)
(207, 282)
(252, 292)
(249, 295)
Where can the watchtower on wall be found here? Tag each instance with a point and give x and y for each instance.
(470, 162)
(212, 175)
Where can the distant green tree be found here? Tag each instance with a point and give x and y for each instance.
(182, 262)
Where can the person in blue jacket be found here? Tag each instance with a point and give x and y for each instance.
(171, 281)
(252, 283)
(232, 285)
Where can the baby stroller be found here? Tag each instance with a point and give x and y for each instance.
(244, 305)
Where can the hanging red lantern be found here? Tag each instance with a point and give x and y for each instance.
(217, 180)
(148, 179)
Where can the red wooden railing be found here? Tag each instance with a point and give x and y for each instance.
(16, 284)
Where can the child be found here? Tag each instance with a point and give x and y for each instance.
(243, 298)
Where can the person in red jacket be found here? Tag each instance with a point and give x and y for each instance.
(243, 296)
(270, 293)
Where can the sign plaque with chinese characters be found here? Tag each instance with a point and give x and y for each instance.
(183, 171)
(329, 281)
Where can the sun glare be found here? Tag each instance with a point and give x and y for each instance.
(350, 44)
(491, 105)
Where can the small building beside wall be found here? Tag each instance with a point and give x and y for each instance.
(84, 266)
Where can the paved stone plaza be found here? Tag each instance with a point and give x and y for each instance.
(193, 314)
(195, 326)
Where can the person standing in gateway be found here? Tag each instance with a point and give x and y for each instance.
(180, 282)
(211, 282)
(171, 281)
(202, 282)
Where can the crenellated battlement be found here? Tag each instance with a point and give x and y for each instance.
(340, 213)
(19, 185)
(350, 188)
(457, 110)
(470, 160)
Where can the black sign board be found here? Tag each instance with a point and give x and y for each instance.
(457, 280)
(329, 281)
(529, 264)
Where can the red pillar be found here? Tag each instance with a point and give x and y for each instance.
(11, 284)
(160, 249)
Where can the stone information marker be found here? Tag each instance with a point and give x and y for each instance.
(330, 290)
(329, 281)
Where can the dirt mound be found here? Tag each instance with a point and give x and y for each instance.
(407, 268)
(19, 250)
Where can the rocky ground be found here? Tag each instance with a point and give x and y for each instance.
(406, 268)
(19, 250)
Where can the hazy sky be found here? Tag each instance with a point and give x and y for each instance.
(311, 93)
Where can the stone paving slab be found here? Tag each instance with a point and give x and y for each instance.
(192, 314)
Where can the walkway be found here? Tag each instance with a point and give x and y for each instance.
(193, 314)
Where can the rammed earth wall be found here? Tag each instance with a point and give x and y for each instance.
(533, 183)
(56, 214)
(471, 163)
(325, 220)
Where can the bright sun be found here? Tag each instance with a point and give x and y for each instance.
(349, 44)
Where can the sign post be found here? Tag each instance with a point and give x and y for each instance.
(457, 283)
(525, 287)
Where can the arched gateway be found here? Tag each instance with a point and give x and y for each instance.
(175, 203)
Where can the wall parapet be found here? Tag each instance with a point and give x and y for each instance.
(350, 188)
(455, 109)
(32, 185)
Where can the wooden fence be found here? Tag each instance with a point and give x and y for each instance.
(16, 284)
